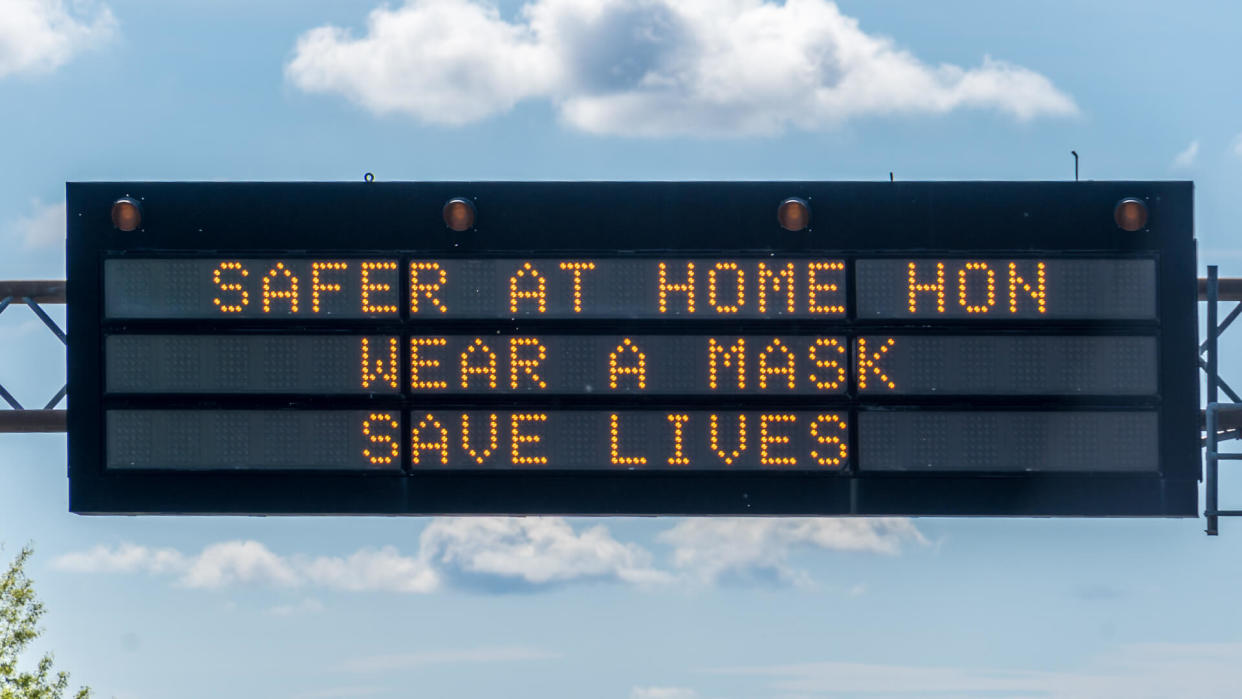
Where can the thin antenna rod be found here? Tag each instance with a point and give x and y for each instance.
(1075, 154)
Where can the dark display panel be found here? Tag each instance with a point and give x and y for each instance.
(632, 364)
(242, 287)
(1004, 441)
(1006, 365)
(295, 364)
(931, 441)
(258, 440)
(733, 287)
(995, 289)
(1037, 360)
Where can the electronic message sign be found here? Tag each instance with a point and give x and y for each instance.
(633, 348)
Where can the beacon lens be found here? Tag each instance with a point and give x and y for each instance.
(459, 214)
(126, 214)
(1130, 214)
(794, 214)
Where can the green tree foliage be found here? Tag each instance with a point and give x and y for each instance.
(20, 611)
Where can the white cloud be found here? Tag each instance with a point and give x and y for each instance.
(725, 548)
(1187, 157)
(535, 550)
(650, 67)
(233, 562)
(503, 553)
(38, 36)
(487, 550)
(447, 61)
(125, 558)
(405, 661)
(43, 227)
(370, 569)
(663, 693)
(1138, 671)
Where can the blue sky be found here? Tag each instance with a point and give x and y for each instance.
(565, 89)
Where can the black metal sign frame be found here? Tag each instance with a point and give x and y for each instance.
(516, 219)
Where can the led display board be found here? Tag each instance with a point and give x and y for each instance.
(633, 348)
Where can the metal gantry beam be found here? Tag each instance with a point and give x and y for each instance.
(32, 293)
(1221, 420)
(40, 290)
(1227, 423)
(1228, 289)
